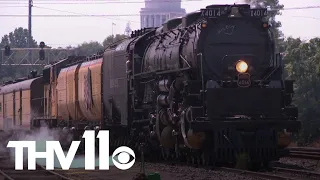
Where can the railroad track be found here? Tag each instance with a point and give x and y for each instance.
(275, 174)
(278, 173)
(8, 172)
(305, 173)
(304, 153)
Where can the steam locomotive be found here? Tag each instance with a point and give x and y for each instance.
(205, 87)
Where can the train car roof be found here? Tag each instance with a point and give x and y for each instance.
(23, 85)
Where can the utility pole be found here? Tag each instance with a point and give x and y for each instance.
(30, 31)
(113, 24)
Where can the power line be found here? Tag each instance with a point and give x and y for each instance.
(307, 17)
(12, 6)
(105, 1)
(80, 14)
(284, 9)
(114, 15)
(86, 0)
(81, 2)
(66, 15)
(118, 15)
(306, 7)
(76, 14)
(57, 10)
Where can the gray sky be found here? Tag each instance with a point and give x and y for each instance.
(63, 31)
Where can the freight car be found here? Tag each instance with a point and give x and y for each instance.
(205, 87)
(20, 101)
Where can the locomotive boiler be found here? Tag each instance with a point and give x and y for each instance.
(205, 87)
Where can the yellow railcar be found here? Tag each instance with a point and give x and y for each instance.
(89, 89)
(61, 90)
(20, 102)
(72, 92)
(67, 90)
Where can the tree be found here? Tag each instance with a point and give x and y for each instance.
(302, 61)
(111, 39)
(16, 39)
(87, 49)
(302, 64)
(275, 10)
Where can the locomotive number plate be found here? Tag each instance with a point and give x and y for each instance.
(244, 80)
(210, 13)
(258, 12)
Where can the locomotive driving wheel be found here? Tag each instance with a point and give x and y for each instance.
(198, 160)
(193, 159)
(165, 153)
(205, 159)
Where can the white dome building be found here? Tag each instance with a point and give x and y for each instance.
(156, 12)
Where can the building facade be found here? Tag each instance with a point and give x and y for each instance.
(156, 12)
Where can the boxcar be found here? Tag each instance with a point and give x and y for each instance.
(20, 102)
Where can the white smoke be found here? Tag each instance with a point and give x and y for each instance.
(40, 135)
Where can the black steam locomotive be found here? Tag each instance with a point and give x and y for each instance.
(206, 87)
(211, 86)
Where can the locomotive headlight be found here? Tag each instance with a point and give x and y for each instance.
(241, 66)
(203, 25)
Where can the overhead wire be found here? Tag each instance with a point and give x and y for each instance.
(83, 15)
(76, 14)
(81, 2)
(67, 15)
(88, 15)
(10, 3)
(86, 2)
(105, 1)
(15, 6)
(297, 8)
(307, 17)
(114, 15)
(91, 0)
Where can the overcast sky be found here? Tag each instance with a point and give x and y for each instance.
(63, 31)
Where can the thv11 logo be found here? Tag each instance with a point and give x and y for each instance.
(123, 153)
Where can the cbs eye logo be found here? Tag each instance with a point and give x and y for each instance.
(122, 156)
